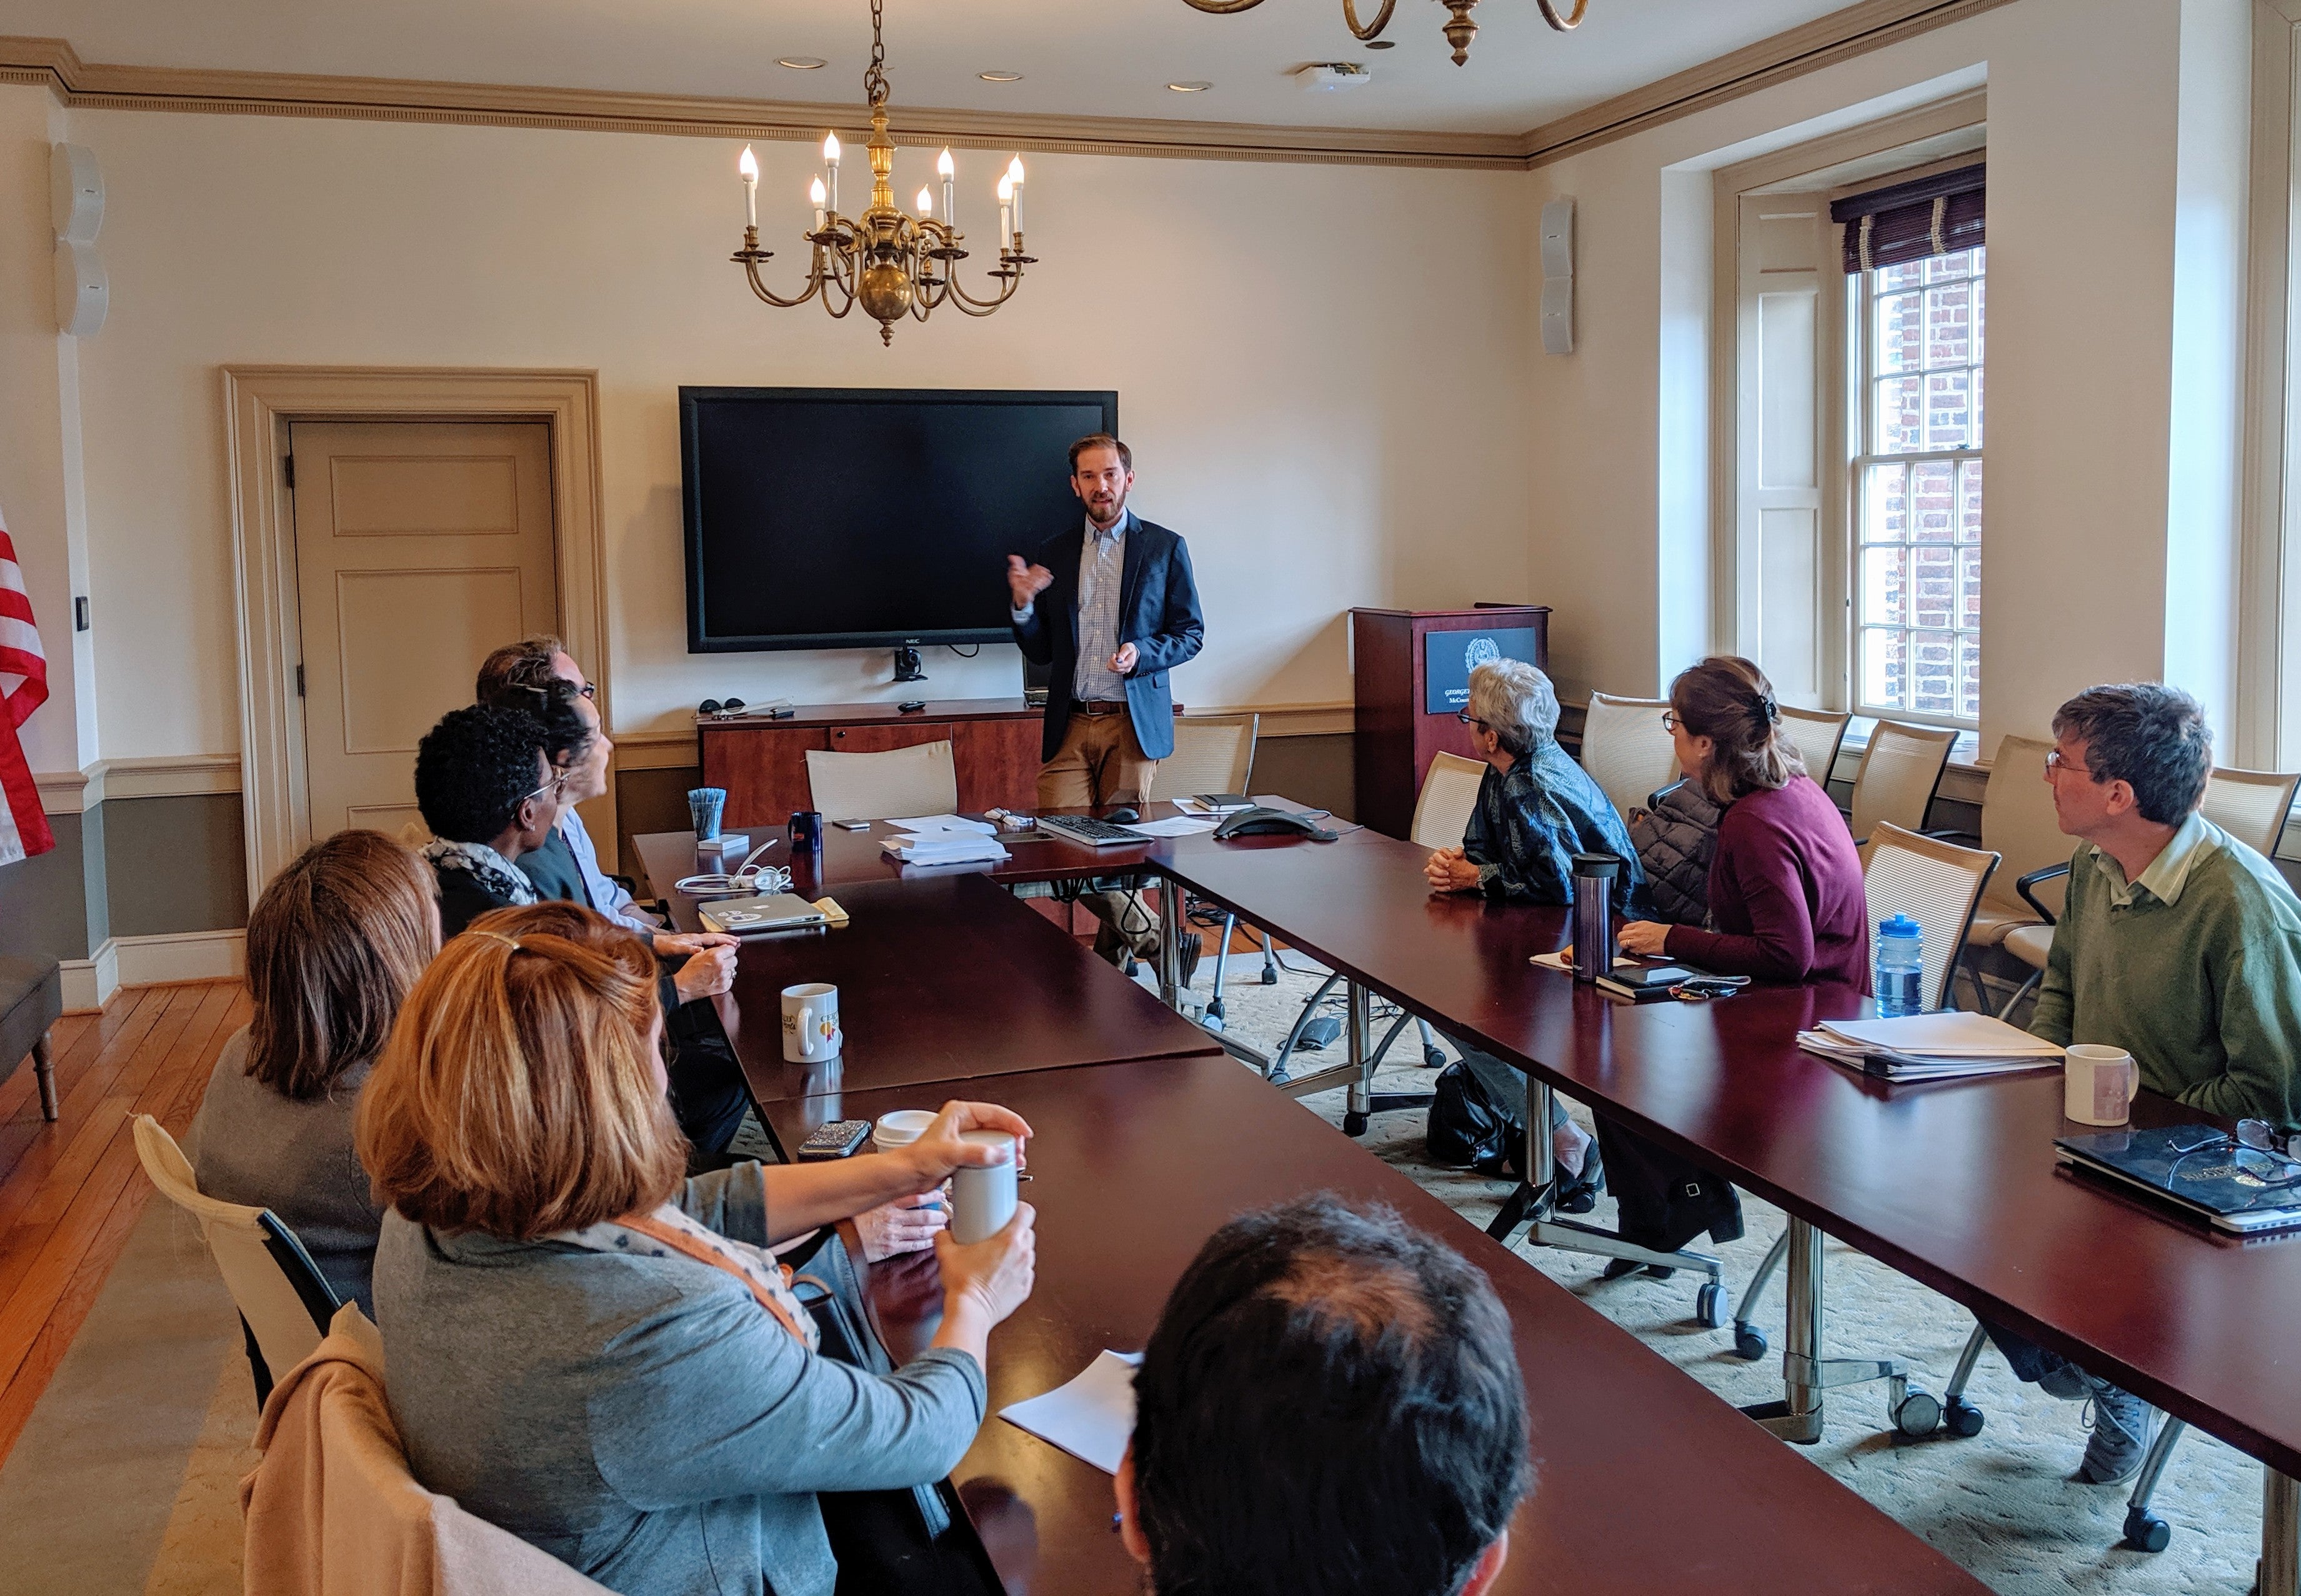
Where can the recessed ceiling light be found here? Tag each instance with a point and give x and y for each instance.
(1001, 76)
(1195, 86)
(800, 63)
(1382, 43)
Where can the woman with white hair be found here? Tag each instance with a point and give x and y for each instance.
(1537, 807)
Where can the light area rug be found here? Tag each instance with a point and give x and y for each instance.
(2002, 1504)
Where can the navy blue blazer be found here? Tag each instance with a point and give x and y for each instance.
(1158, 612)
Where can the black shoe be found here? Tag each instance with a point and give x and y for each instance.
(1580, 1195)
(1623, 1269)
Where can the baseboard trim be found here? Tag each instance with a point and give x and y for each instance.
(166, 960)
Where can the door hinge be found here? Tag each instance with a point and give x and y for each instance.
(299, 682)
(287, 464)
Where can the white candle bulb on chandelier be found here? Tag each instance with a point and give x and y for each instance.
(1015, 176)
(814, 197)
(947, 172)
(1005, 213)
(831, 159)
(749, 165)
(926, 204)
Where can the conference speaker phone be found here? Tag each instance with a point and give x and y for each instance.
(1263, 821)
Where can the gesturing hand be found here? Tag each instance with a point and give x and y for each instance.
(1026, 582)
(1123, 662)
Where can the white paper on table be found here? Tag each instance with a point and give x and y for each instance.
(931, 824)
(1951, 1033)
(1179, 825)
(1565, 961)
(1091, 1417)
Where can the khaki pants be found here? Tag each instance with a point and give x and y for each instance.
(1100, 764)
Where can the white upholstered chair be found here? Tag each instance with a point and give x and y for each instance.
(1213, 753)
(1817, 733)
(895, 785)
(1938, 884)
(1627, 750)
(1900, 770)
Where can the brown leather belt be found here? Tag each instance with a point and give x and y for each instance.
(1100, 706)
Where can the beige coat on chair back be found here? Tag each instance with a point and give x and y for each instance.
(332, 1510)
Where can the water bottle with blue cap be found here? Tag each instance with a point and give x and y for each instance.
(1900, 979)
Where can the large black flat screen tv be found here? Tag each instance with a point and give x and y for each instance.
(858, 517)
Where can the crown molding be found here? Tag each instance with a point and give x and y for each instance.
(1853, 31)
(1842, 35)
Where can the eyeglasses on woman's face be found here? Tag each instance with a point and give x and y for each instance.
(1467, 718)
(1669, 721)
(553, 787)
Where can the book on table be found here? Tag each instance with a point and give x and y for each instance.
(2196, 1168)
(1947, 1046)
(1642, 983)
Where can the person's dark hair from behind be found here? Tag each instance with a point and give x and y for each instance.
(2149, 736)
(525, 663)
(1330, 1406)
(567, 736)
(1727, 699)
(472, 769)
(334, 943)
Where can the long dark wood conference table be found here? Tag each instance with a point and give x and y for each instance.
(1955, 1184)
(1143, 1152)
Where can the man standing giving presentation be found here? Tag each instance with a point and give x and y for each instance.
(1110, 611)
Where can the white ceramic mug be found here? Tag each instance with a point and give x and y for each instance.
(811, 1032)
(899, 1129)
(982, 1201)
(2098, 1084)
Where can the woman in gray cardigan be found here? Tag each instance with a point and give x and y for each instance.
(598, 1356)
(333, 945)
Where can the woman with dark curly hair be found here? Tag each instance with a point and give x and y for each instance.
(489, 794)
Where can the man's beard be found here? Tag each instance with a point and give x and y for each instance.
(1105, 510)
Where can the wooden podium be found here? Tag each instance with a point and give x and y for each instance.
(1411, 670)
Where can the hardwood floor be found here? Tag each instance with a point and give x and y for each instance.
(71, 1191)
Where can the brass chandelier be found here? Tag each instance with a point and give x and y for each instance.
(1458, 27)
(893, 263)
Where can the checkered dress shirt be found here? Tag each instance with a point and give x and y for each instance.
(1102, 563)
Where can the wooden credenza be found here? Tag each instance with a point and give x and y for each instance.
(1400, 720)
(994, 745)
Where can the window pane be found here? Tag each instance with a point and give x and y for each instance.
(1885, 503)
(1900, 332)
(1933, 672)
(1969, 586)
(1977, 409)
(1884, 668)
(1933, 503)
(1969, 500)
(1949, 401)
(1969, 675)
(1933, 588)
(1885, 586)
(1908, 275)
(1980, 295)
(1901, 429)
(1944, 268)
(1947, 324)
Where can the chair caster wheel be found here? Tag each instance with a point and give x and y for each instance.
(1918, 1414)
(1433, 1058)
(1749, 1342)
(1270, 975)
(1354, 1125)
(1710, 1307)
(1962, 1418)
(1211, 1021)
(2145, 1530)
(1215, 1010)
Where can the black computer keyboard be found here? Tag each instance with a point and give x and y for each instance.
(1094, 833)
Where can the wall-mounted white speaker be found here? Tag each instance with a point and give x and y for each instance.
(83, 290)
(75, 193)
(1558, 276)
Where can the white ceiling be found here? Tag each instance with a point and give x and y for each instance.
(1078, 57)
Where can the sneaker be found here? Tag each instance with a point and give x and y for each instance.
(2122, 1424)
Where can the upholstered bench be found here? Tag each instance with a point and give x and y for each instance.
(31, 997)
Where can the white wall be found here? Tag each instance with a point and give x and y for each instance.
(2083, 100)
(1321, 369)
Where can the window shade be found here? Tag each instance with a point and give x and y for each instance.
(1941, 214)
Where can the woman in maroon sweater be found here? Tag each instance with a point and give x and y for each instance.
(1785, 895)
(1786, 904)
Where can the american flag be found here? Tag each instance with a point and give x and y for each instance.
(23, 689)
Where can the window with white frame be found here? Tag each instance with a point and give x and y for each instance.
(1917, 351)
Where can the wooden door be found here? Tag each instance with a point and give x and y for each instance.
(420, 547)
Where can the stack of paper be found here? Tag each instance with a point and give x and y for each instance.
(1200, 806)
(1930, 1046)
(1091, 1417)
(930, 825)
(943, 848)
(1174, 825)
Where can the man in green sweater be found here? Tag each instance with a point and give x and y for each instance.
(2179, 944)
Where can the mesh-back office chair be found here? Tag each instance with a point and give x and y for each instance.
(1215, 754)
(1627, 750)
(284, 1303)
(893, 785)
(1441, 815)
(1939, 885)
(2018, 825)
(1818, 734)
(1901, 769)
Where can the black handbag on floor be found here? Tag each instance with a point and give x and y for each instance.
(1466, 1129)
